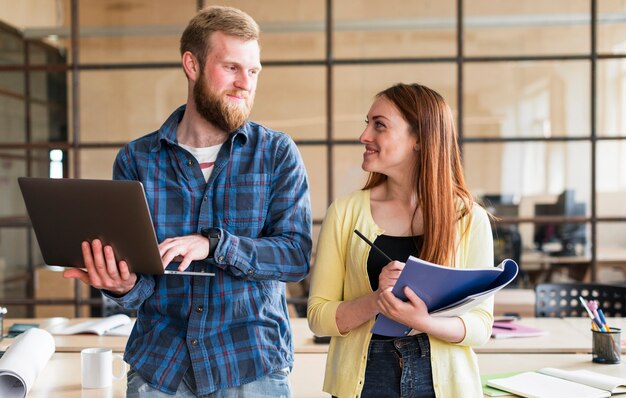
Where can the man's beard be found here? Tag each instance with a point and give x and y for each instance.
(217, 111)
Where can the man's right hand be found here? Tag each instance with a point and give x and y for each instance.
(102, 270)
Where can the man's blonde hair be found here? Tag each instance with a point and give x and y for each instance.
(231, 21)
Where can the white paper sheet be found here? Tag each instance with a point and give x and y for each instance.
(23, 361)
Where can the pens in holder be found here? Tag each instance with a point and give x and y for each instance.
(373, 246)
(594, 306)
(593, 318)
(603, 320)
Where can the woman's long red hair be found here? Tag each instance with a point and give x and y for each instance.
(439, 182)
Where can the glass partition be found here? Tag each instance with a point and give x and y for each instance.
(526, 27)
(527, 99)
(520, 77)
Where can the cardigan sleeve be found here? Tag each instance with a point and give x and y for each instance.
(477, 246)
(327, 276)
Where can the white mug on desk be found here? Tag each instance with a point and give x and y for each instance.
(96, 365)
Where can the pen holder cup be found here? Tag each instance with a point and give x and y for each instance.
(605, 346)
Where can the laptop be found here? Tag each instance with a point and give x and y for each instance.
(66, 212)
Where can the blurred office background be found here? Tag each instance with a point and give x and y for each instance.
(538, 89)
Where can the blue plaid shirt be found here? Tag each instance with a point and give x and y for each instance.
(233, 328)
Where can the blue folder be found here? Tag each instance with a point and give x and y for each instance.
(445, 289)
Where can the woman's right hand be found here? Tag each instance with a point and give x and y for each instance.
(353, 313)
(389, 275)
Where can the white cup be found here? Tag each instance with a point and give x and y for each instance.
(96, 365)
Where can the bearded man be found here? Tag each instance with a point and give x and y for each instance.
(227, 196)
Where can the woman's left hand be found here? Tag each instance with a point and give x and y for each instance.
(413, 313)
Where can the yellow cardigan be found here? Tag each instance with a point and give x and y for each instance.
(340, 273)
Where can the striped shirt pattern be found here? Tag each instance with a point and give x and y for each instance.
(205, 156)
(233, 328)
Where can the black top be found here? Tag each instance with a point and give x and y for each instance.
(399, 248)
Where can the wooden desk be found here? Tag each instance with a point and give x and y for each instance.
(561, 338)
(567, 346)
(565, 336)
(61, 379)
(61, 376)
(302, 337)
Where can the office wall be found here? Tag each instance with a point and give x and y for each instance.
(513, 99)
(518, 99)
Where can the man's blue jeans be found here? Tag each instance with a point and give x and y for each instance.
(399, 368)
(273, 385)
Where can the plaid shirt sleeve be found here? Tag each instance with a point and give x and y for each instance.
(283, 250)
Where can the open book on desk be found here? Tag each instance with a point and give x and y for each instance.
(114, 325)
(446, 291)
(558, 383)
(23, 361)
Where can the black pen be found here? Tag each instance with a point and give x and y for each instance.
(382, 253)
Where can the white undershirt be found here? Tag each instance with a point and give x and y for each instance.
(205, 156)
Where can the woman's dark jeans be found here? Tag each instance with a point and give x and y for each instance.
(399, 368)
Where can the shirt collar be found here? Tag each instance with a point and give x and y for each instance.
(167, 132)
